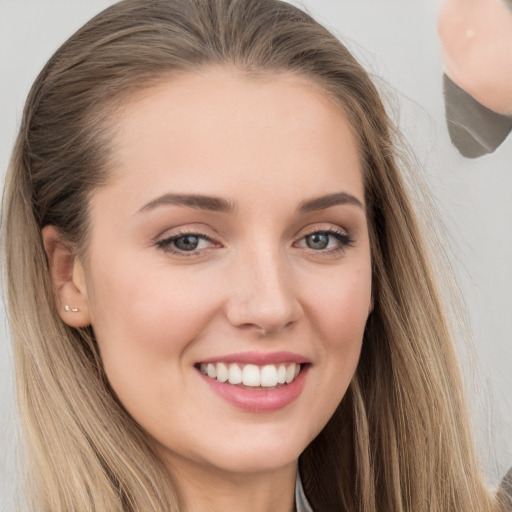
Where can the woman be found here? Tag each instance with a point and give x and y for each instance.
(215, 276)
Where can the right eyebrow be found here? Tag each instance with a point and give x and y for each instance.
(196, 201)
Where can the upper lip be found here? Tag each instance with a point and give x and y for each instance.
(258, 358)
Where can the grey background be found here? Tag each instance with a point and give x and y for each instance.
(396, 40)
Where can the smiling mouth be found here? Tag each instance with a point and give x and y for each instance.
(250, 375)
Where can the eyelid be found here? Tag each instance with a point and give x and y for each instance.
(322, 228)
(165, 242)
(343, 236)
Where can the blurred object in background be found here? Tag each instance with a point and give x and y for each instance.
(476, 39)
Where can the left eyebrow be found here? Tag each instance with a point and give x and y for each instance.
(324, 202)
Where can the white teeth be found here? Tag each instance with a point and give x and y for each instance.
(222, 372)
(251, 375)
(281, 374)
(268, 376)
(235, 374)
(290, 373)
(212, 370)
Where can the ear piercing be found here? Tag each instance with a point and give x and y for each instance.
(68, 308)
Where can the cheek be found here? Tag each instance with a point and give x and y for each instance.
(342, 306)
(340, 313)
(147, 297)
(144, 317)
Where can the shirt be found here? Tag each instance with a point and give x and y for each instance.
(301, 502)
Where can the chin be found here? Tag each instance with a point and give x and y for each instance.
(255, 461)
(266, 449)
(251, 451)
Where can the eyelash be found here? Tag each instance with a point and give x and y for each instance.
(167, 243)
(343, 238)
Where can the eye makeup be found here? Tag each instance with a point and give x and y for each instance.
(187, 243)
(324, 242)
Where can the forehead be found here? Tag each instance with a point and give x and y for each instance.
(218, 129)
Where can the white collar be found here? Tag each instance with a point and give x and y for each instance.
(301, 502)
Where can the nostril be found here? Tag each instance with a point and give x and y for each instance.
(266, 320)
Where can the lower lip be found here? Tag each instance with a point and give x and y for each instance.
(258, 400)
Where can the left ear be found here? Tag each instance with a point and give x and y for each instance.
(68, 279)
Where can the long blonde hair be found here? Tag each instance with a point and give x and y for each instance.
(399, 441)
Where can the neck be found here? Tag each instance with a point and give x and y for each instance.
(207, 489)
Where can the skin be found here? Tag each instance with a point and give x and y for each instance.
(265, 144)
(476, 39)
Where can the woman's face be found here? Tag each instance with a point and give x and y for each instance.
(232, 241)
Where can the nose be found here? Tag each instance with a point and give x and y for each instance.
(263, 294)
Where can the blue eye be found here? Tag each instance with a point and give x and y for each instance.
(317, 241)
(329, 240)
(186, 243)
(182, 243)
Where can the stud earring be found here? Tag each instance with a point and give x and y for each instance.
(69, 308)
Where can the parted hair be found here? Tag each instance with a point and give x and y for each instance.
(399, 440)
